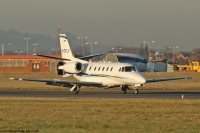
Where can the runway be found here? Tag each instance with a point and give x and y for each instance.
(147, 94)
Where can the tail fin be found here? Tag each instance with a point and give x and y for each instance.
(65, 48)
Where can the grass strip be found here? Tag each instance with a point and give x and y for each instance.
(100, 115)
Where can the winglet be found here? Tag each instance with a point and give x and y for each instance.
(188, 77)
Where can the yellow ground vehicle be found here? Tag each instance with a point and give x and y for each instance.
(194, 65)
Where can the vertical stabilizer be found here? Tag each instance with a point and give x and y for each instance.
(65, 48)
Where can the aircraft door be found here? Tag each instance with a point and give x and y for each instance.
(35, 67)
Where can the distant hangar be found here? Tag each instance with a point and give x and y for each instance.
(137, 60)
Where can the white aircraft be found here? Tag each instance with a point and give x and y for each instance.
(96, 73)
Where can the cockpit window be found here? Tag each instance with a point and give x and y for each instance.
(129, 69)
(133, 68)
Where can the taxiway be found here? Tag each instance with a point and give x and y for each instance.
(152, 94)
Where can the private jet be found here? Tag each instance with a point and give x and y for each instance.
(98, 74)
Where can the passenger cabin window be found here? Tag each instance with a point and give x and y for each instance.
(103, 68)
(111, 69)
(94, 68)
(90, 68)
(99, 68)
(107, 68)
(119, 69)
(122, 69)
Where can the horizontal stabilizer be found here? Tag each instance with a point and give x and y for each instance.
(52, 57)
(89, 56)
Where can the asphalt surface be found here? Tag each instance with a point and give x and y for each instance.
(152, 94)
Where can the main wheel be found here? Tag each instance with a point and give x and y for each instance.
(76, 91)
(124, 89)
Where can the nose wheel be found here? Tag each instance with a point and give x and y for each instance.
(136, 91)
(125, 88)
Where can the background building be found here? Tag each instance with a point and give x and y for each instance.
(27, 63)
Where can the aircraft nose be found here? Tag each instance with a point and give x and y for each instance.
(141, 80)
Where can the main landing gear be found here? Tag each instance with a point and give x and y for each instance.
(76, 89)
(125, 88)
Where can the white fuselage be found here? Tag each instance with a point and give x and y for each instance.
(110, 74)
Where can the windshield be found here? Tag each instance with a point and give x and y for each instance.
(129, 69)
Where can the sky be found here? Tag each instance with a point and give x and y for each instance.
(109, 22)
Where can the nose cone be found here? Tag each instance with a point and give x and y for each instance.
(141, 79)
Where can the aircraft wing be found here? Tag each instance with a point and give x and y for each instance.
(52, 57)
(166, 79)
(89, 56)
(58, 81)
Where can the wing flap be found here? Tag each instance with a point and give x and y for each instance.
(166, 79)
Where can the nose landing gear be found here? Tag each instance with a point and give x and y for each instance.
(125, 88)
(136, 90)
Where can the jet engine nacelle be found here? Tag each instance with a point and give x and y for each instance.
(72, 67)
(60, 71)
